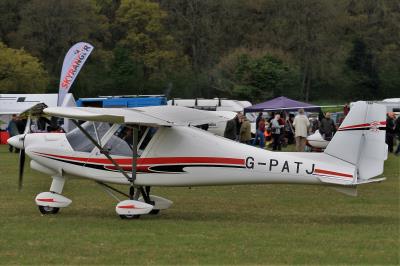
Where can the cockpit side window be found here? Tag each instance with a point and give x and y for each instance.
(146, 137)
(101, 130)
(78, 140)
(122, 140)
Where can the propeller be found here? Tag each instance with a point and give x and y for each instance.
(22, 154)
(21, 168)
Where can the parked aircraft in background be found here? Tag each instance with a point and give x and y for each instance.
(217, 104)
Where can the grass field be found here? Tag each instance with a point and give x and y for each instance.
(263, 224)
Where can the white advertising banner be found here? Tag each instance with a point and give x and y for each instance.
(73, 62)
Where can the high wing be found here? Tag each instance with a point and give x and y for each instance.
(148, 116)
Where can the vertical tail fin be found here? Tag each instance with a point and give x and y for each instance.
(360, 140)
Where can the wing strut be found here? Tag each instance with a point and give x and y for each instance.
(131, 178)
(134, 160)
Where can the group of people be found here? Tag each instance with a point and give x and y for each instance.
(273, 130)
(280, 129)
(238, 129)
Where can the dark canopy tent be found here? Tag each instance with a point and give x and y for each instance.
(281, 104)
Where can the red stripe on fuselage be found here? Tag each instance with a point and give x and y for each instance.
(326, 172)
(154, 161)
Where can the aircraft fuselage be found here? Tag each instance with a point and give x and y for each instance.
(186, 156)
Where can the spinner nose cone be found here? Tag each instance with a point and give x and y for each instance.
(17, 141)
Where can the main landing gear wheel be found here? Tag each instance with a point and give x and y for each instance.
(48, 210)
(129, 217)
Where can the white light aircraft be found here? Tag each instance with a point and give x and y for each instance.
(317, 141)
(157, 146)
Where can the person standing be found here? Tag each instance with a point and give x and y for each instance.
(245, 131)
(238, 120)
(276, 129)
(397, 130)
(289, 129)
(260, 133)
(346, 109)
(301, 125)
(230, 129)
(12, 131)
(315, 124)
(282, 123)
(259, 117)
(21, 124)
(390, 131)
(327, 127)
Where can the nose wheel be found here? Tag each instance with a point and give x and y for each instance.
(48, 210)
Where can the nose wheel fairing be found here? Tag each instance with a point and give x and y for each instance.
(50, 202)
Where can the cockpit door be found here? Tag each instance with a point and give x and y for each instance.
(82, 146)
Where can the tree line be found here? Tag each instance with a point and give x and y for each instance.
(245, 49)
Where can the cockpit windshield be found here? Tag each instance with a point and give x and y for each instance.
(79, 142)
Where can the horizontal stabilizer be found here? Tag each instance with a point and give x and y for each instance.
(336, 181)
(366, 181)
(351, 189)
(359, 181)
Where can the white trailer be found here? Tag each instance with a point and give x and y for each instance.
(17, 103)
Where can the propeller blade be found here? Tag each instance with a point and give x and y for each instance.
(28, 125)
(21, 168)
(22, 153)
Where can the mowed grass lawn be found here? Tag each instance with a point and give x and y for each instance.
(255, 224)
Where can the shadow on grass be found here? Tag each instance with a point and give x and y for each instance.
(283, 218)
(252, 218)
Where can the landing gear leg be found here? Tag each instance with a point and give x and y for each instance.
(146, 197)
(57, 184)
(132, 194)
